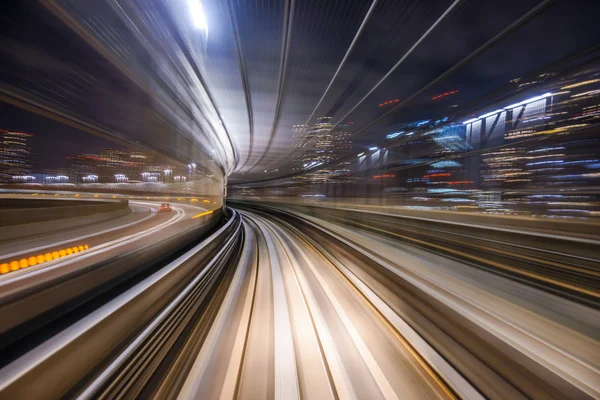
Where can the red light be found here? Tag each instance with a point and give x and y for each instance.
(389, 102)
(439, 96)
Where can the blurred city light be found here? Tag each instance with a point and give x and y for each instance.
(393, 135)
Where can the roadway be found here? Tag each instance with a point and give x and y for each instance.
(279, 305)
(144, 220)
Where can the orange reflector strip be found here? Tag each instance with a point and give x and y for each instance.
(39, 259)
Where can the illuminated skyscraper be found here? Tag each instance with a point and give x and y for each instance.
(299, 135)
(321, 143)
(14, 155)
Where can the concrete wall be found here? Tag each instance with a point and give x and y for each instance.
(24, 217)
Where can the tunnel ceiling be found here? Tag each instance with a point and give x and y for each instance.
(276, 65)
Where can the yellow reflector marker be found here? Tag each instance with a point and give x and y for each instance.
(39, 259)
(202, 214)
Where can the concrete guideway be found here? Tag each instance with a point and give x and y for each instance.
(282, 305)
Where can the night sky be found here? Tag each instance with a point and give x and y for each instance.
(40, 53)
(53, 141)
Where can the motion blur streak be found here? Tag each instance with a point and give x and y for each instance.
(279, 302)
(299, 199)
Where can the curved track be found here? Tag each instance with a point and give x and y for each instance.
(277, 305)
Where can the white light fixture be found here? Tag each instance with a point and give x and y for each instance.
(198, 16)
(373, 148)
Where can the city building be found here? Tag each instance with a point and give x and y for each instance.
(298, 136)
(320, 144)
(15, 151)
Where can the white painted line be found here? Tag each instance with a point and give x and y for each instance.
(340, 373)
(456, 380)
(237, 353)
(12, 255)
(92, 251)
(564, 364)
(202, 364)
(286, 376)
(384, 385)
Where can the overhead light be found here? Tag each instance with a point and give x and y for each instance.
(373, 148)
(361, 154)
(198, 16)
